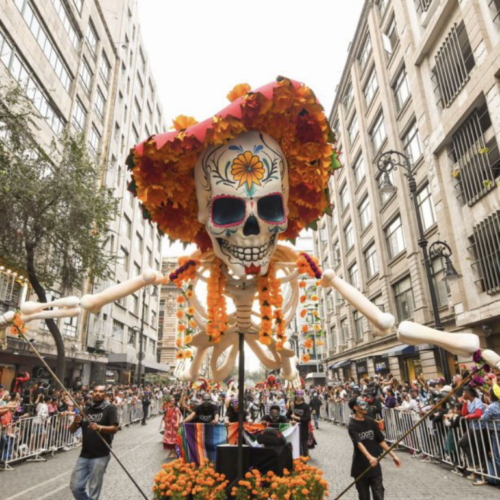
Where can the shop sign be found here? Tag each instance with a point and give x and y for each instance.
(381, 366)
(110, 374)
(361, 369)
(424, 347)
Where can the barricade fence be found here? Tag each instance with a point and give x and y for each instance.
(31, 437)
(469, 446)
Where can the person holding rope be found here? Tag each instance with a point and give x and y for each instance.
(102, 418)
(368, 441)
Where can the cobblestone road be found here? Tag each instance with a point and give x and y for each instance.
(141, 451)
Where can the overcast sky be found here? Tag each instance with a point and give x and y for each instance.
(199, 50)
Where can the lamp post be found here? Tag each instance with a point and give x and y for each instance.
(141, 355)
(388, 162)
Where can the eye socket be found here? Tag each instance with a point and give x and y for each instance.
(270, 208)
(227, 211)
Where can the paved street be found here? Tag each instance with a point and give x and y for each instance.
(141, 451)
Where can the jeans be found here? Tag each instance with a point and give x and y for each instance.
(87, 477)
(375, 484)
(145, 411)
(315, 417)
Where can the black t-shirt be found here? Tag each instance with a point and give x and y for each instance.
(274, 423)
(368, 433)
(92, 445)
(205, 414)
(303, 411)
(233, 415)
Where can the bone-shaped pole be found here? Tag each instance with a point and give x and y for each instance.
(30, 308)
(94, 303)
(461, 344)
(383, 321)
(67, 312)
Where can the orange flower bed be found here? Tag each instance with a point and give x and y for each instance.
(180, 481)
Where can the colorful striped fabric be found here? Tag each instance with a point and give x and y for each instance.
(199, 441)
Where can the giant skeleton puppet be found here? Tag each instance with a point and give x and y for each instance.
(236, 184)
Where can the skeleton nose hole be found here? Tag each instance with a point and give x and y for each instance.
(251, 226)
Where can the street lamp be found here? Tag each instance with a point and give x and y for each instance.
(387, 163)
(442, 249)
(141, 355)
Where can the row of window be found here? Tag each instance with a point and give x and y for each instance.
(67, 24)
(44, 41)
(30, 86)
(149, 345)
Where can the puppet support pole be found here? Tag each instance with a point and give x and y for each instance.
(241, 402)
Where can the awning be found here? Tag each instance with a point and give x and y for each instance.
(340, 364)
(315, 375)
(399, 350)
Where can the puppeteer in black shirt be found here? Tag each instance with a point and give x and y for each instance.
(368, 433)
(105, 414)
(205, 414)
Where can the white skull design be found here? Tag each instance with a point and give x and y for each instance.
(242, 192)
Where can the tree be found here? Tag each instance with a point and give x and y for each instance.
(55, 211)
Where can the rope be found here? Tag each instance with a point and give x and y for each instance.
(423, 419)
(82, 412)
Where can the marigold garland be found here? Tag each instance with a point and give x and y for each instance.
(18, 327)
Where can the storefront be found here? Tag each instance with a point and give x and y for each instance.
(381, 365)
(361, 368)
(341, 369)
(409, 361)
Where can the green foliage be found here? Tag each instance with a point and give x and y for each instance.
(52, 203)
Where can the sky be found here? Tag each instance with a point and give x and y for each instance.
(199, 50)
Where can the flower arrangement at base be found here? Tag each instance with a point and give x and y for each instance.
(180, 481)
(305, 482)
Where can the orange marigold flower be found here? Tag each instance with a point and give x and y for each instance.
(178, 342)
(192, 323)
(302, 284)
(314, 298)
(188, 354)
(179, 355)
(305, 358)
(180, 299)
(317, 327)
(180, 314)
(189, 294)
(320, 343)
(238, 91)
(302, 299)
(248, 169)
(188, 339)
(305, 328)
(183, 122)
(181, 328)
(308, 344)
(190, 311)
(303, 313)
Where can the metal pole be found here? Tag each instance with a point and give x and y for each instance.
(139, 364)
(241, 403)
(422, 243)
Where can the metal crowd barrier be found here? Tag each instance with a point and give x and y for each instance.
(30, 438)
(337, 413)
(466, 445)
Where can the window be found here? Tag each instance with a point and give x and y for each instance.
(149, 254)
(349, 97)
(105, 68)
(135, 304)
(344, 197)
(353, 130)
(126, 226)
(137, 270)
(349, 236)
(137, 112)
(365, 53)
(131, 336)
(152, 347)
(70, 326)
(123, 258)
(118, 330)
(91, 39)
(333, 338)
(336, 254)
(487, 252)
(78, 5)
(354, 276)
(365, 214)
(323, 235)
(475, 156)
(378, 133)
(382, 6)
(390, 38)
(439, 281)
(411, 144)
(359, 170)
(94, 140)
(379, 302)
(153, 319)
(100, 104)
(371, 88)
(344, 331)
(394, 237)
(79, 116)
(385, 197)
(45, 42)
(423, 5)
(401, 89)
(358, 325)
(138, 243)
(426, 207)
(454, 62)
(371, 261)
(495, 9)
(403, 295)
(86, 77)
(68, 26)
(139, 86)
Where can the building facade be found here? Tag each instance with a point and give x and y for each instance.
(167, 319)
(422, 78)
(84, 67)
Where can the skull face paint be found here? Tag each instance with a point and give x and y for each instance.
(242, 192)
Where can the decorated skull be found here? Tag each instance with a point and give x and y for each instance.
(242, 192)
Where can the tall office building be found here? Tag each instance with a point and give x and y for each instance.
(422, 78)
(84, 66)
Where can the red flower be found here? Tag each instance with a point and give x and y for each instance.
(308, 129)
